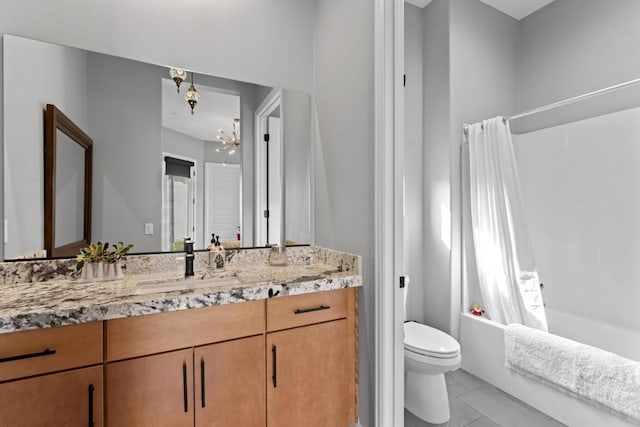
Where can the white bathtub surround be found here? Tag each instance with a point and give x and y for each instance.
(506, 267)
(482, 342)
(583, 371)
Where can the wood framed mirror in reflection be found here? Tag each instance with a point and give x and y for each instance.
(137, 120)
(68, 165)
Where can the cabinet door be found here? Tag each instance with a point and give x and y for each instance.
(72, 398)
(307, 376)
(151, 391)
(230, 383)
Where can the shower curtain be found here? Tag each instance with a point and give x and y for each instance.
(507, 274)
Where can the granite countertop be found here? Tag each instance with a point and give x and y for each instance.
(25, 306)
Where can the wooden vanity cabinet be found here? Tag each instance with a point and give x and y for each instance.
(151, 391)
(288, 361)
(311, 365)
(46, 378)
(230, 383)
(219, 380)
(71, 398)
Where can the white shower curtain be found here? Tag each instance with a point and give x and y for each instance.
(507, 274)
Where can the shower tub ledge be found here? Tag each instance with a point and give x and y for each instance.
(482, 348)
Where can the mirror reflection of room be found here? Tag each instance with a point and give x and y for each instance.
(138, 118)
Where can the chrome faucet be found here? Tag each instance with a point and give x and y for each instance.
(188, 257)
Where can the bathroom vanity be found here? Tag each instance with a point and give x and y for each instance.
(276, 347)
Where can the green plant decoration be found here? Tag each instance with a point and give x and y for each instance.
(99, 252)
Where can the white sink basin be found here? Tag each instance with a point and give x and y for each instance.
(182, 284)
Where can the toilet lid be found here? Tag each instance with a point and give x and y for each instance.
(426, 340)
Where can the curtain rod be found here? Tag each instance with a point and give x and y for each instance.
(566, 101)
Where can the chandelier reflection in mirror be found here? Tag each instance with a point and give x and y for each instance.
(230, 143)
(178, 75)
(192, 96)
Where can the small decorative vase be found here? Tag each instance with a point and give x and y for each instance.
(117, 266)
(87, 271)
(109, 271)
(99, 271)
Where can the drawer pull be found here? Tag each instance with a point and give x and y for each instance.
(309, 310)
(91, 388)
(274, 350)
(184, 386)
(45, 352)
(202, 382)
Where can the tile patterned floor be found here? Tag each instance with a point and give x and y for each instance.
(476, 403)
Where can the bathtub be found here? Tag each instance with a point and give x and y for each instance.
(482, 348)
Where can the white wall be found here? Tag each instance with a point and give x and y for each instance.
(42, 74)
(414, 185)
(344, 95)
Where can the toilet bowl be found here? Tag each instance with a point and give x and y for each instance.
(428, 354)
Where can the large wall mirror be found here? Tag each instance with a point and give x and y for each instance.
(161, 171)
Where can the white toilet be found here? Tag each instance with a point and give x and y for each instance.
(428, 354)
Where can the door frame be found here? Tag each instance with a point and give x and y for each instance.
(207, 212)
(272, 101)
(389, 211)
(194, 193)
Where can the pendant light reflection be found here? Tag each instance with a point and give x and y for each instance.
(178, 75)
(192, 96)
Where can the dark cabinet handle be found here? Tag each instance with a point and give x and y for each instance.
(274, 350)
(202, 382)
(309, 310)
(184, 386)
(45, 352)
(91, 388)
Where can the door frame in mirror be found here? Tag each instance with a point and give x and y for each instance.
(55, 120)
(272, 101)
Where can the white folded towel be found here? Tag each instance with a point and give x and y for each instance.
(587, 372)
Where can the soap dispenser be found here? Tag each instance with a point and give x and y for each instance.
(219, 254)
(212, 252)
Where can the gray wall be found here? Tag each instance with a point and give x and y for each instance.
(125, 122)
(484, 65)
(436, 161)
(594, 44)
(40, 74)
(344, 178)
(575, 46)
(414, 141)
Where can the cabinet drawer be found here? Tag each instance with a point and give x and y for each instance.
(299, 310)
(40, 351)
(157, 333)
